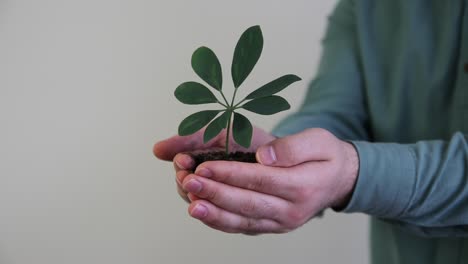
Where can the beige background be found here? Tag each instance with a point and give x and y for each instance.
(86, 88)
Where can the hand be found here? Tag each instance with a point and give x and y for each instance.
(173, 149)
(298, 176)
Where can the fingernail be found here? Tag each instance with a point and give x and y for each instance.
(193, 186)
(204, 172)
(199, 211)
(188, 161)
(179, 165)
(266, 155)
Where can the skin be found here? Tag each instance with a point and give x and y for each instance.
(296, 178)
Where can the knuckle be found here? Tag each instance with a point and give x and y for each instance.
(259, 208)
(257, 183)
(270, 210)
(267, 206)
(248, 206)
(251, 225)
(275, 182)
(212, 194)
(285, 146)
(295, 218)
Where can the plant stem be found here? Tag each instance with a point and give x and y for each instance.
(222, 104)
(228, 107)
(231, 109)
(225, 100)
(236, 105)
(233, 97)
(228, 132)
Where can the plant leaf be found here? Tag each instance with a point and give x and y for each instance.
(242, 130)
(246, 54)
(194, 93)
(215, 127)
(195, 122)
(274, 86)
(207, 66)
(267, 105)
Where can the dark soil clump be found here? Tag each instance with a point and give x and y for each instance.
(221, 155)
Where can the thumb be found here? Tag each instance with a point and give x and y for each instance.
(314, 144)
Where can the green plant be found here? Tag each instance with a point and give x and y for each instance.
(261, 101)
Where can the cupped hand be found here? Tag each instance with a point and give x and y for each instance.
(177, 149)
(296, 177)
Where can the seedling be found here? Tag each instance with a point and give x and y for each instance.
(262, 101)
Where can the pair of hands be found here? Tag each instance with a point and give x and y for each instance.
(296, 177)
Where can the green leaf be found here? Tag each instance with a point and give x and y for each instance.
(247, 52)
(267, 105)
(194, 93)
(242, 130)
(215, 127)
(196, 121)
(274, 86)
(207, 66)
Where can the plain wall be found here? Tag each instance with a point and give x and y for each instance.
(86, 88)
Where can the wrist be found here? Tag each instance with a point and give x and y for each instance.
(349, 176)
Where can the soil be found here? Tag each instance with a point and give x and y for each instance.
(221, 155)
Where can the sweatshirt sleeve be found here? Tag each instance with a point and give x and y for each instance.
(422, 187)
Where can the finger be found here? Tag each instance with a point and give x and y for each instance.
(309, 145)
(188, 197)
(182, 193)
(183, 162)
(192, 197)
(180, 176)
(168, 148)
(226, 221)
(239, 201)
(255, 177)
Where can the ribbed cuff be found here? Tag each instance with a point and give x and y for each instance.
(386, 178)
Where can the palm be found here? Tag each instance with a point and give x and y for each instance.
(167, 149)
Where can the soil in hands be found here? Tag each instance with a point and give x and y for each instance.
(221, 155)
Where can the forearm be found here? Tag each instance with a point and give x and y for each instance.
(423, 184)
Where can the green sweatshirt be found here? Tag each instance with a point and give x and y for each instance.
(393, 80)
